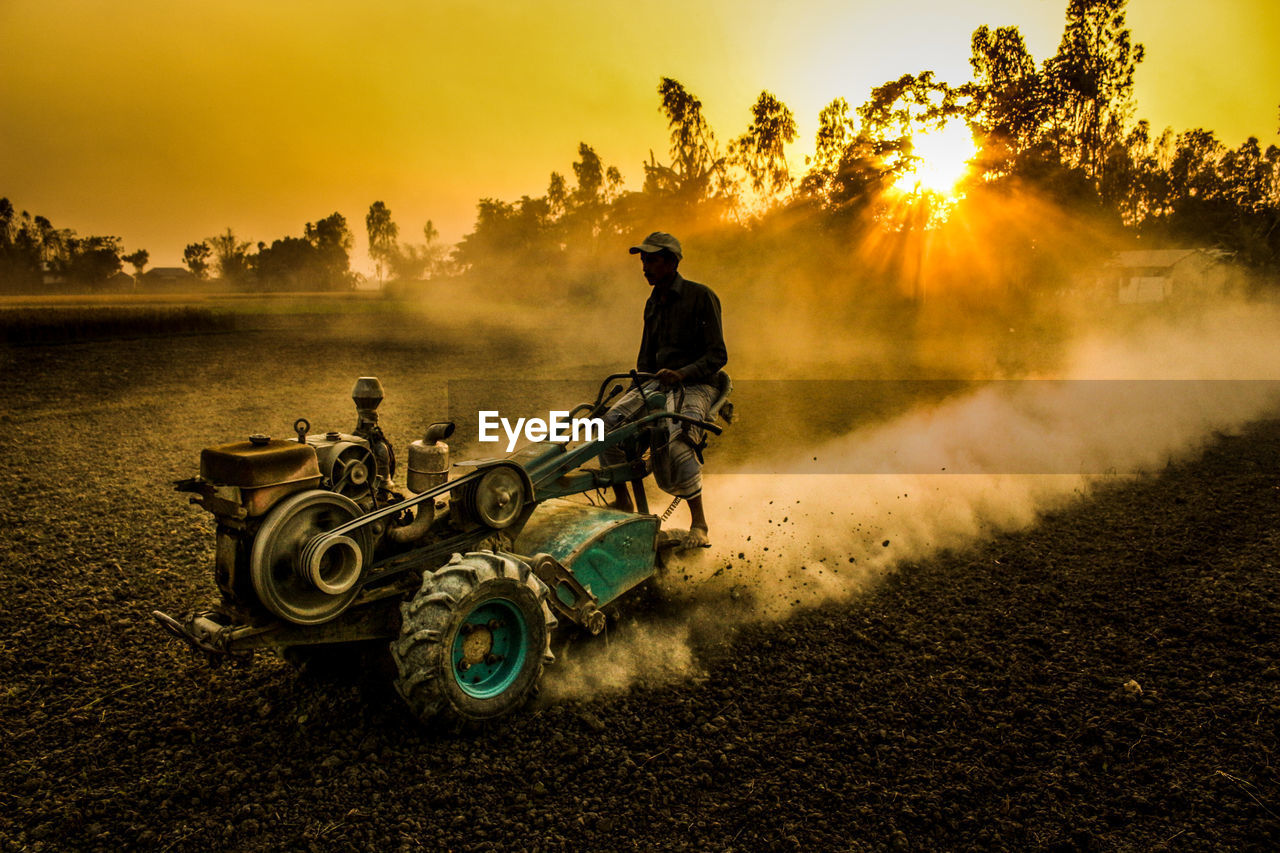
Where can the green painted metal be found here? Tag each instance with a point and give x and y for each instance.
(507, 643)
(547, 462)
(608, 551)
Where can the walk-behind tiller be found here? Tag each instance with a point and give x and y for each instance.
(467, 571)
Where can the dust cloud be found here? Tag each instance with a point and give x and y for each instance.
(658, 653)
(1126, 400)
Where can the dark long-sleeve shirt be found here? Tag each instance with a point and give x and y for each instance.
(682, 332)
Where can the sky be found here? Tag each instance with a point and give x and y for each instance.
(164, 123)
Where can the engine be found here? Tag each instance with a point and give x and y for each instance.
(272, 497)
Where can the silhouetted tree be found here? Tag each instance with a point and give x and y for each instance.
(557, 196)
(1089, 82)
(901, 108)
(417, 262)
(835, 131)
(761, 151)
(508, 236)
(20, 261)
(137, 260)
(382, 237)
(231, 256)
(863, 175)
(1135, 178)
(8, 226)
(583, 213)
(1008, 106)
(697, 170)
(196, 256)
(332, 240)
(93, 260)
(290, 263)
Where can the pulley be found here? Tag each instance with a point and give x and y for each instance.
(315, 589)
(496, 499)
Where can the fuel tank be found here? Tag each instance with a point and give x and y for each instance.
(263, 469)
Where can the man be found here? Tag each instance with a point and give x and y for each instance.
(683, 344)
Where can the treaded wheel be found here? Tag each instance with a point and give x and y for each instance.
(474, 639)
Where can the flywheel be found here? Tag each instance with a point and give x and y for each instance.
(323, 587)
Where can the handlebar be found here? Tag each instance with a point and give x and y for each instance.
(635, 376)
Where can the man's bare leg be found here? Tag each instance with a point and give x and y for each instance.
(622, 498)
(697, 518)
(697, 523)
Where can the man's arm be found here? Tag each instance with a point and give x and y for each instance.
(714, 354)
(645, 360)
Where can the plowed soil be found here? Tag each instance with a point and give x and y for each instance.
(1107, 679)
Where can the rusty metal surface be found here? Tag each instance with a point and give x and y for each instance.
(252, 465)
(569, 598)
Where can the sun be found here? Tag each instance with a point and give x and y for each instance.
(944, 158)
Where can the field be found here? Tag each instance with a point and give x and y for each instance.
(1105, 676)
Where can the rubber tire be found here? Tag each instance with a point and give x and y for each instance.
(430, 624)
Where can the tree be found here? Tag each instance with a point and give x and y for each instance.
(332, 240)
(582, 214)
(1089, 82)
(290, 263)
(835, 131)
(196, 257)
(697, 170)
(589, 172)
(761, 151)
(911, 104)
(1135, 178)
(862, 175)
(54, 244)
(1008, 107)
(137, 260)
(20, 261)
(93, 260)
(231, 256)
(853, 166)
(557, 195)
(410, 263)
(382, 237)
(434, 251)
(8, 228)
(508, 236)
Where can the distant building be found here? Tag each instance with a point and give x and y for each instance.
(168, 278)
(119, 282)
(1160, 275)
(163, 274)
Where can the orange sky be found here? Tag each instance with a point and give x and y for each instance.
(166, 122)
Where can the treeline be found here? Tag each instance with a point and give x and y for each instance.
(37, 257)
(34, 254)
(1062, 168)
(318, 260)
(1063, 174)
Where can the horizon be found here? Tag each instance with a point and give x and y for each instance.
(209, 124)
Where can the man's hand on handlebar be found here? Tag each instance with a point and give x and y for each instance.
(668, 376)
